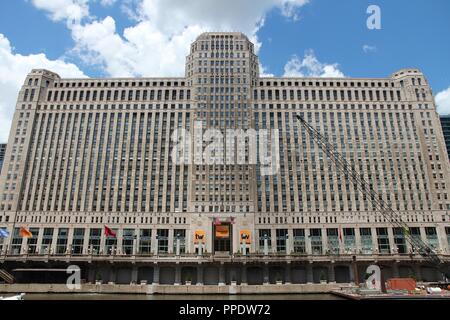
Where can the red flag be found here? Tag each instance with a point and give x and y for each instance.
(217, 222)
(109, 232)
(340, 234)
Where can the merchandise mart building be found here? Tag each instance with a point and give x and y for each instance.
(88, 153)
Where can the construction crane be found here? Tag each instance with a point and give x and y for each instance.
(345, 168)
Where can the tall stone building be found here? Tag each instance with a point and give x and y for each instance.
(445, 123)
(88, 153)
(2, 154)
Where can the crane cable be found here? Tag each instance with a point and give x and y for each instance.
(345, 168)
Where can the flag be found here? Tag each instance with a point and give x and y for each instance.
(109, 232)
(4, 233)
(232, 220)
(25, 233)
(217, 222)
(340, 235)
(406, 231)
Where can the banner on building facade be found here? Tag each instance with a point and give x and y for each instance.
(244, 235)
(199, 234)
(222, 231)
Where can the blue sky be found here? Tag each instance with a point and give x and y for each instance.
(101, 38)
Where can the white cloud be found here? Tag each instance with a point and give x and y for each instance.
(71, 11)
(107, 3)
(309, 66)
(142, 50)
(367, 48)
(443, 102)
(159, 41)
(263, 72)
(13, 70)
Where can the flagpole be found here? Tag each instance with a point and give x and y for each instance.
(12, 235)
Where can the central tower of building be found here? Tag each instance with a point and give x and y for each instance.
(222, 69)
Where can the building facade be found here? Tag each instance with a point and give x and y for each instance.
(2, 154)
(445, 123)
(90, 153)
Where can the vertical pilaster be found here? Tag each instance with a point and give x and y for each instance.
(266, 274)
(200, 274)
(91, 275)
(177, 275)
(308, 246)
(134, 275)
(112, 276)
(395, 271)
(156, 274)
(309, 273)
(221, 274)
(331, 273)
(417, 272)
(243, 274)
(287, 277)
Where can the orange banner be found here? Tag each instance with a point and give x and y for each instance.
(244, 235)
(222, 231)
(199, 234)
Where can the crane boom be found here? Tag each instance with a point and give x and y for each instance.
(345, 168)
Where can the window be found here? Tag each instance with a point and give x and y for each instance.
(32, 242)
(333, 240)
(281, 237)
(349, 240)
(47, 238)
(447, 231)
(316, 241)
(366, 240)
(78, 241)
(163, 240)
(61, 242)
(94, 240)
(399, 239)
(432, 237)
(181, 235)
(16, 244)
(383, 240)
(128, 241)
(111, 243)
(264, 234)
(299, 241)
(145, 241)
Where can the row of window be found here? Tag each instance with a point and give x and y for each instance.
(89, 241)
(131, 241)
(328, 95)
(345, 240)
(112, 95)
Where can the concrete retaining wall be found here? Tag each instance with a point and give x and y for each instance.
(171, 289)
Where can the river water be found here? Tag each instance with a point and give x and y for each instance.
(95, 296)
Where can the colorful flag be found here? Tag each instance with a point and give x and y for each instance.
(217, 222)
(4, 233)
(109, 232)
(25, 233)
